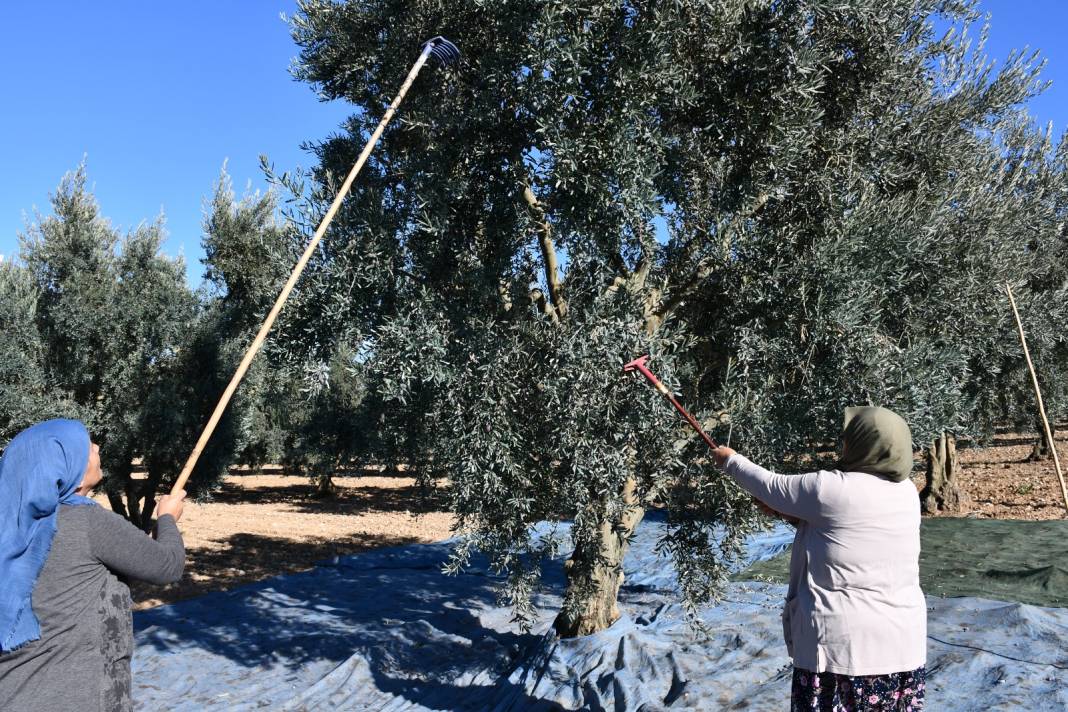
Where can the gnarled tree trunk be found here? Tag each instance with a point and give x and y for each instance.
(1041, 449)
(325, 487)
(941, 493)
(148, 492)
(595, 573)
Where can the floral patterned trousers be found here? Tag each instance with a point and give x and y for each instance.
(830, 692)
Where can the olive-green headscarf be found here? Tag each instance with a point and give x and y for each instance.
(876, 441)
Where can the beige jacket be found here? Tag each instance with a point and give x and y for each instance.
(854, 605)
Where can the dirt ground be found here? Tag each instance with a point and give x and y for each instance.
(1000, 483)
(262, 525)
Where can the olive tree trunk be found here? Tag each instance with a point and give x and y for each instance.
(117, 504)
(325, 487)
(941, 493)
(595, 573)
(148, 492)
(1041, 449)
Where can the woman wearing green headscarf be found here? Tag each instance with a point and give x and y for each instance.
(855, 619)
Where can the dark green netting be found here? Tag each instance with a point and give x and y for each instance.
(1006, 560)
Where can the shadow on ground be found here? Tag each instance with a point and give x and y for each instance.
(300, 495)
(261, 556)
(385, 630)
(386, 623)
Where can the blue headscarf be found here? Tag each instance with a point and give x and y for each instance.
(41, 468)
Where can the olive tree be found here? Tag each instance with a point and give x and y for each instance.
(305, 427)
(122, 337)
(246, 258)
(27, 395)
(762, 195)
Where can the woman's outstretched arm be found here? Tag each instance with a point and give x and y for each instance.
(793, 495)
(126, 550)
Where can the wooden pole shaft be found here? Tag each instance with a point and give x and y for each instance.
(1038, 395)
(246, 361)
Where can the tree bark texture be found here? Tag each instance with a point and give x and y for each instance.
(595, 573)
(941, 493)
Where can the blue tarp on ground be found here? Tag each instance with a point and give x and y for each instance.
(385, 630)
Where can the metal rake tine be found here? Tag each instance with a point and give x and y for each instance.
(443, 50)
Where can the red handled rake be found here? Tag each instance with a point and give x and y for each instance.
(640, 364)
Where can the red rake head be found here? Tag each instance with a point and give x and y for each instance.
(637, 364)
(640, 365)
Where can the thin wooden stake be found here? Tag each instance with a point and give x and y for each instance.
(220, 408)
(1038, 396)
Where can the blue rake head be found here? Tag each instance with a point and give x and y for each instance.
(442, 50)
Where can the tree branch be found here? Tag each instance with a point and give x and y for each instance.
(617, 282)
(649, 250)
(505, 297)
(537, 298)
(680, 295)
(721, 417)
(548, 254)
(621, 266)
(703, 269)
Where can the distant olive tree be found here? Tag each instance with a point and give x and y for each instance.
(333, 434)
(249, 250)
(27, 396)
(792, 206)
(121, 336)
(317, 425)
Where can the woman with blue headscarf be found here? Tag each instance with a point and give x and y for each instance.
(66, 628)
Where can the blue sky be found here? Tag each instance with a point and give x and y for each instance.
(157, 95)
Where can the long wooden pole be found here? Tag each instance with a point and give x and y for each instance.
(1038, 396)
(246, 361)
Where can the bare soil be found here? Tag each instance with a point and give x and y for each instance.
(263, 525)
(1000, 482)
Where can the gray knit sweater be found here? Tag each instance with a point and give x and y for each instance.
(82, 660)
